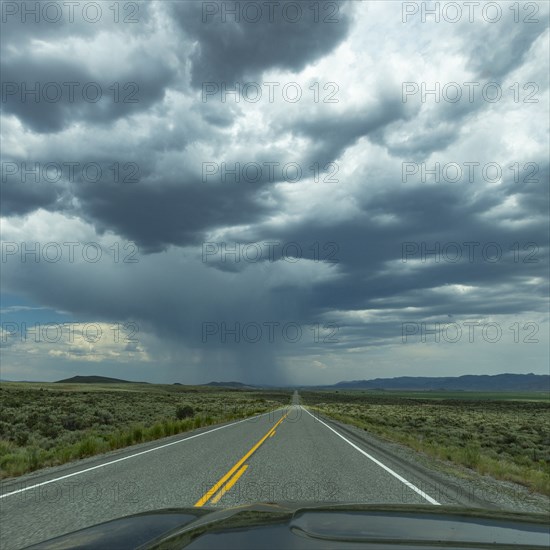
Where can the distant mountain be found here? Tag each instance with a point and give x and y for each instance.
(96, 380)
(229, 385)
(468, 382)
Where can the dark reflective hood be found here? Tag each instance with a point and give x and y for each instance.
(290, 525)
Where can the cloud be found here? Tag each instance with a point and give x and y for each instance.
(372, 233)
(286, 35)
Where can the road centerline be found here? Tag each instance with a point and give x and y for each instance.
(216, 487)
(229, 484)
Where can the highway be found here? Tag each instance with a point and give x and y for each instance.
(286, 455)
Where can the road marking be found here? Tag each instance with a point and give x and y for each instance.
(370, 457)
(229, 484)
(272, 433)
(132, 456)
(215, 488)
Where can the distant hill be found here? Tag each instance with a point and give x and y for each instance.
(229, 385)
(469, 382)
(96, 380)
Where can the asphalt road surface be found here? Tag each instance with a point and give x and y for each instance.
(286, 455)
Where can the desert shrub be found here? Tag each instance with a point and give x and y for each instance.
(184, 411)
(52, 430)
(71, 422)
(103, 417)
(21, 435)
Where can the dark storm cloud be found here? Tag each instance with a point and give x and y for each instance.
(431, 137)
(331, 135)
(370, 253)
(19, 198)
(162, 178)
(228, 51)
(48, 94)
(187, 211)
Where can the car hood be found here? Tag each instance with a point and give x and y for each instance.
(292, 525)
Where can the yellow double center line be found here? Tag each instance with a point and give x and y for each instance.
(234, 473)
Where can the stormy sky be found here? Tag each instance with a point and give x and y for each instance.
(274, 192)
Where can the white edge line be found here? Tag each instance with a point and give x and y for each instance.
(389, 470)
(132, 456)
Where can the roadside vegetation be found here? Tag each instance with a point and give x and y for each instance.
(506, 438)
(50, 424)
